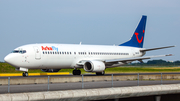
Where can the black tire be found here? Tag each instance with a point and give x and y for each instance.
(76, 72)
(100, 73)
(79, 72)
(25, 74)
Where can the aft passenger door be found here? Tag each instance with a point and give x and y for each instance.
(133, 52)
(37, 53)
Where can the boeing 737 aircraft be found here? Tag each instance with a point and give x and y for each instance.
(92, 58)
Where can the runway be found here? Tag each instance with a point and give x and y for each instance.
(67, 82)
(79, 85)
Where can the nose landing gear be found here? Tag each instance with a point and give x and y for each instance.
(25, 74)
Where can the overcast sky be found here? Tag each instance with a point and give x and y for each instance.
(98, 22)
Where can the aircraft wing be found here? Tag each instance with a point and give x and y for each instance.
(117, 62)
(128, 60)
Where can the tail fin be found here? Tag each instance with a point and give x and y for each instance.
(138, 37)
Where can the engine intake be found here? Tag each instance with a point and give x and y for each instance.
(94, 66)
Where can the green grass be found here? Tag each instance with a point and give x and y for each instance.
(142, 69)
(6, 68)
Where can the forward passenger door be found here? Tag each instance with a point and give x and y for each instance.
(37, 53)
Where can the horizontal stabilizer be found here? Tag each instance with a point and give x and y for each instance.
(144, 50)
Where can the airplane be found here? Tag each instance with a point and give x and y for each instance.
(92, 58)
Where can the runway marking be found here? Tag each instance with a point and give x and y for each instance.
(33, 74)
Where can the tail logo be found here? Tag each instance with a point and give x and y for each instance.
(139, 41)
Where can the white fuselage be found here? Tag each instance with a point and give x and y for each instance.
(60, 56)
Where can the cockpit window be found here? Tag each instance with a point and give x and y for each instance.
(19, 51)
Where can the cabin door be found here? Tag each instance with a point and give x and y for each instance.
(133, 52)
(37, 53)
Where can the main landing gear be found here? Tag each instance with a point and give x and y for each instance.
(25, 74)
(76, 72)
(100, 73)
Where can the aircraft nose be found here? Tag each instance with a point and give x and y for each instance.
(12, 59)
(9, 59)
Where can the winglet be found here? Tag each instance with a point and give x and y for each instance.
(169, 55)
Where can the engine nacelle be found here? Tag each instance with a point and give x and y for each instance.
(94, 66)
(50, 70)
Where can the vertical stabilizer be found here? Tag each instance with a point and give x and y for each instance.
(138, 36)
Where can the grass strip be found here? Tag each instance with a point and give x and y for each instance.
(6, 68)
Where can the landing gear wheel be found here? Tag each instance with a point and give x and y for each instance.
(25, 74)
(76, 72)
(100, 73)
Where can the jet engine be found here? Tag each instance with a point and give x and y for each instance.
(94, 66)
(50, 70)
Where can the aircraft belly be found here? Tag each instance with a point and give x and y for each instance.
(57, 63)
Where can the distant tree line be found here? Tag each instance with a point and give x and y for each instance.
(157, 63)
